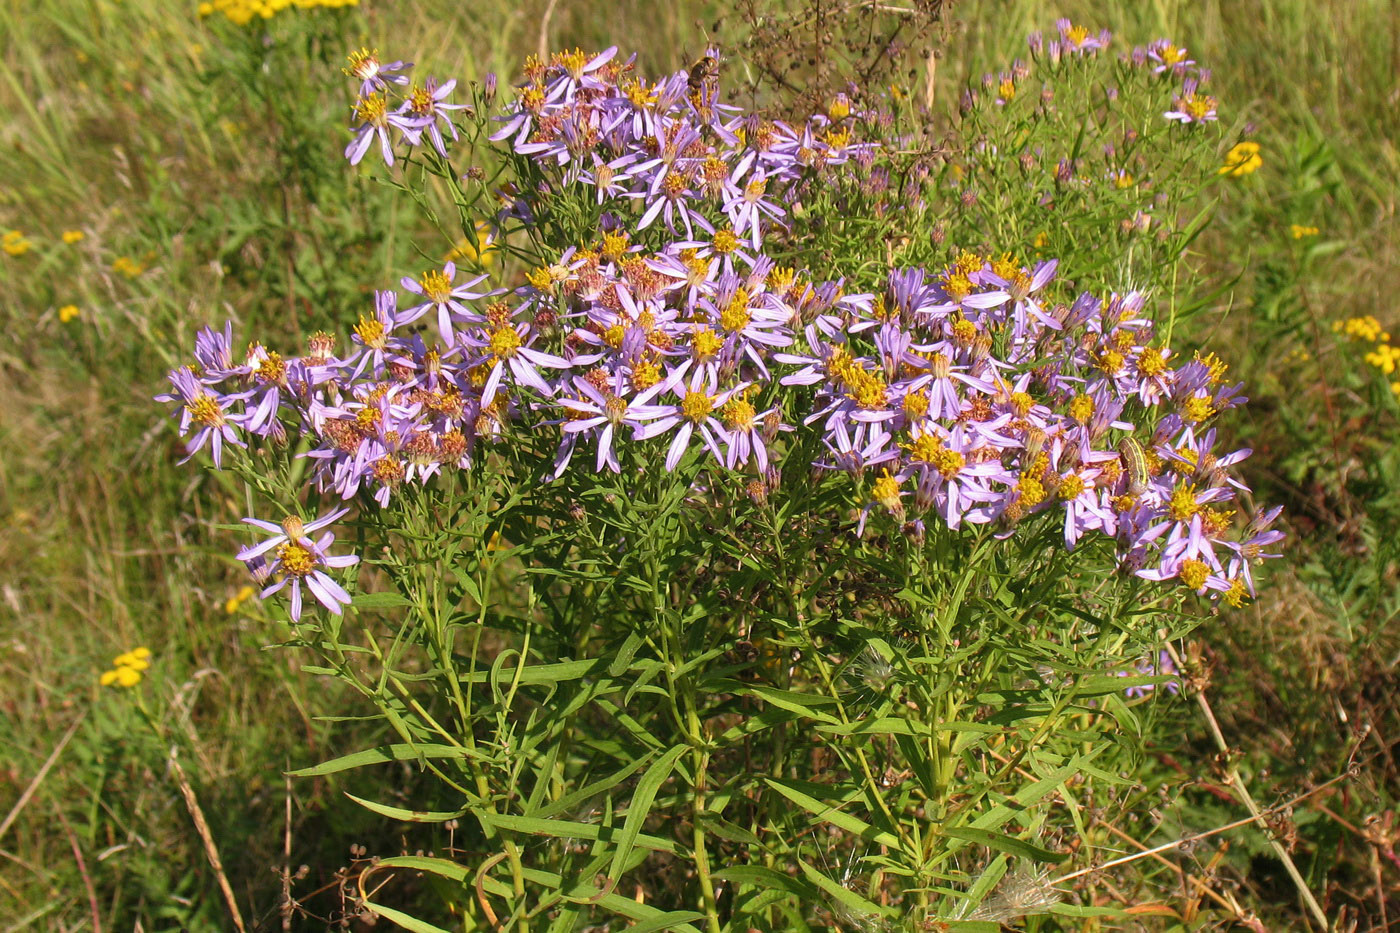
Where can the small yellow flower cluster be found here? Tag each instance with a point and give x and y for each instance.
(1298, 231)
(1242, 159)
(1383, 355)
(465, 250)
(72, 236)
(126, 668)
(243, 12)
(1362, 328)
(127, 267)
(15, 243)
(238, 599)
(68, 313)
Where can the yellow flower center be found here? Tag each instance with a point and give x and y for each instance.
(957, 285)
(706, 343)
(1193, 573)
(948, 462)
(372, 109)
(371, 333)
(725, 241)
(419, 100)
(1196, 409)
(696, 406)
(614, 245)
(205, 411)
(1032, 491)
(363, 64)
(886, 492)
(738, 414)
(645, 375)
(1183, 503)
(296, 560)
(866, 390)
(437, 287)
(1238, 594)
(1151, 363)
(504, 342)
(735, 316)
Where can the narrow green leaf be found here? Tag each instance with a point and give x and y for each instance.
(569, 801)
(667, 921)
(844, 894)
(804, 704)
(768, 879)
(548, 673)
(1004, 843)
(640, 806)
(409, 816)
(568, 829)
(437, 866)
(386, 753)
(403, 919)
(379, 601)
(625, 654)
(830, 814)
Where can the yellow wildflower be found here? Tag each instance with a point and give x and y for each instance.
(128, 267)
(482, 254)
(1385, 358)
(15, 243)
(68, 312)
(1297, 231)
(1242, 159)
(126, 668)
(238, 599)
(72, 236)
(1362, 328)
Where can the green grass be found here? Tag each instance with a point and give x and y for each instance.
(119, 124)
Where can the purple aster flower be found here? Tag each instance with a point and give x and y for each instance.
(1168, 57)
(697, 402)
(1192, 107)
(605, 412)
(425, 108)
(213, 351)
(508, 348)
(299, 559)
(375, 76)
(207, 413)
(441, 294)
(374, 118)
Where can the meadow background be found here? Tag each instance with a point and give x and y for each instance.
(153, 181)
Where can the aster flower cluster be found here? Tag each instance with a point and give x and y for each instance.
(669, 151)
(1162, 56)
(385, 112)
(957, 396)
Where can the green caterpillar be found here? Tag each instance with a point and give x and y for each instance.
(1135, 462)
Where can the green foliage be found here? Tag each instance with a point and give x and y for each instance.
(167, 144)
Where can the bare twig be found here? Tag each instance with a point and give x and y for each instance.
(82, 871)
(287, 859)
(543, 46)
(43, 772)
(1196, 837)
(211, 851)
(1233, 778)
